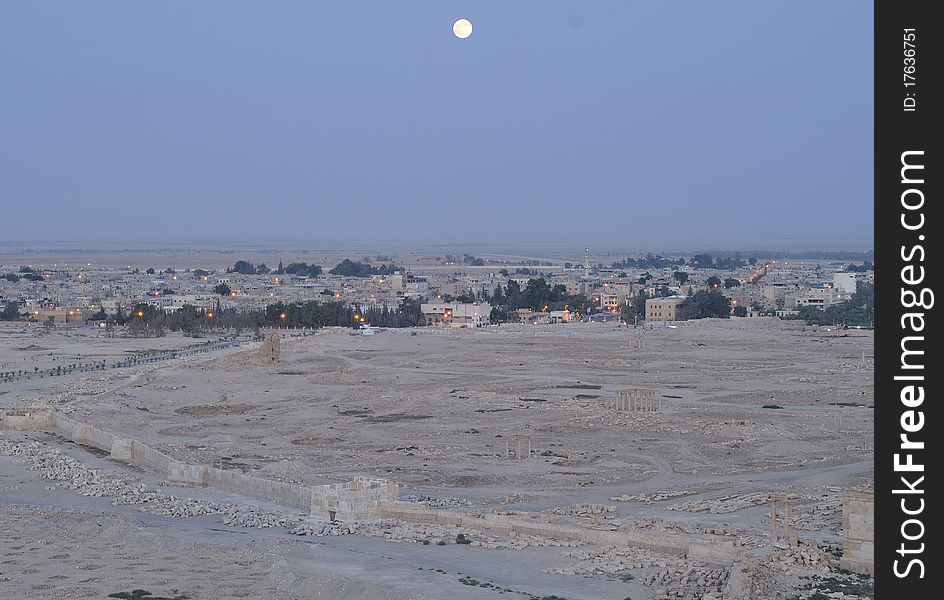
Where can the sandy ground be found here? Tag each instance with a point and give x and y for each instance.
(436, 410)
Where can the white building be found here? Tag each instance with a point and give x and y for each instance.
(821, 296)
(845, 283)
(456, 314)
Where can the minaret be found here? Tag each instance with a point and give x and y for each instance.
(586, 260)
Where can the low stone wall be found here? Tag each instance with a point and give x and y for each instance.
(721, 553)
(286, 494)
(80, 433)
(362, 498)
(858, 533)
(28, 420)
(357, 499)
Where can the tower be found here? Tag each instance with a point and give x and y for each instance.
(586, 259)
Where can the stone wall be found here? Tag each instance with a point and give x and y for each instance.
(719, 553)
(362, 498)
(80, 433)
(858, 533)
(28, 420)
(357, 499)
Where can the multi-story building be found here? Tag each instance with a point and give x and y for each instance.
(663, 309)
(456, 314)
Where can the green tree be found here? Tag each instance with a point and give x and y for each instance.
(706, 304)
(680, 276)
(513, 294)
(500, 314)
(498, 296)
(223, 289)
(731, 282)
(536, 294)
(303, 269)
(639, 305)
(702, 261)
(11, 311)
(714, 282)
(243, 267)
(740, 311)
(411, 313)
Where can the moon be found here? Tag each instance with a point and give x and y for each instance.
(462, 28)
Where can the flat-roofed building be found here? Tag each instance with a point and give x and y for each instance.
(457, 314)
(845, 283)
(663, 309)
(821, 296)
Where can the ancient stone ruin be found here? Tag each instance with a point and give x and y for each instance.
(638, 400)
(858, 533)
(788, 535)
(271, 348)
(521, 444)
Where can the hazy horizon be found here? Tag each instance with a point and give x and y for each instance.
(621, 125)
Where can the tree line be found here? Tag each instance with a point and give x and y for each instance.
(148, 321)
(349, 268)
(858, 311)
(538, 295)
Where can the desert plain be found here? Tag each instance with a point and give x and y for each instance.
(513, 419)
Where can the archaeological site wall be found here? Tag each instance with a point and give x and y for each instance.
(858, 533)
(362, 498)
(713, 553)
(350, 500)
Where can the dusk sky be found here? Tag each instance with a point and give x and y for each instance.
(730, 124)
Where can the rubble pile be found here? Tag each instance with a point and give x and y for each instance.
(688, 583)
(802, 557)
(434, 502)
(611, 560)
(396, 531)
(584, 510)
(75, 475)
(661, 524)
(649, 498)
(722, 504)
(90, 386)
(826, 512)
(252, 516)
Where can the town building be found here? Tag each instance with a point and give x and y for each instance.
(664, 309)
(456, 314)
